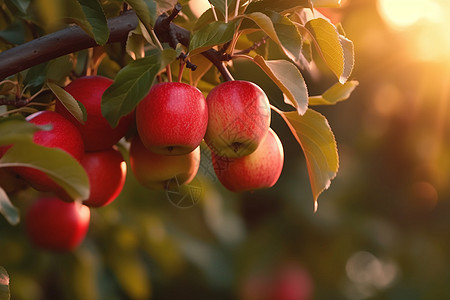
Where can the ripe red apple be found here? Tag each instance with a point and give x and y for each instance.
(56, 225)
(260, 169)
(156, 171)
(96, 132)
(106, 171)
(239, 117)
(172, 118)
(63, 135)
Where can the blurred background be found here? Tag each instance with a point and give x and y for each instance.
(381, 230)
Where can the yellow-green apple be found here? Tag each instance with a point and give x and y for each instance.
(96, 132)
(157, 171)
(238, 118)
(172, 118)
(63, 135)
(106, 170)
(260, 169)
(56, 225)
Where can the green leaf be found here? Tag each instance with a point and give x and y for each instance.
(74, 13)
(288, 35)
(14, 34)
(281, 30)
(17, 130)
(11, 214)
(224, 6)
(289, 79)
(336, 93)
(213, 34)
(314, 135)
(93, 11)
(75, 107)
(4, 284)
(56, 163)
(329, 46)
(146, 10)
(132, 84)
(36, 75)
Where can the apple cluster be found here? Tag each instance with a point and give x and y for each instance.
(234, 121)
(166, 129)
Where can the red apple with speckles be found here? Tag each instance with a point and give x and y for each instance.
(156, 171)
(96, 132)
(239, 118)
(56, 225)
(172, 118)
(106, 171)
(63, 135)
(260, 169)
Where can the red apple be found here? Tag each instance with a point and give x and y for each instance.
(106, 171)
(56, 225)
(156, 171)
(63, 135)
(172, 118)
(239, 118)
(260, 169)
(96, 132)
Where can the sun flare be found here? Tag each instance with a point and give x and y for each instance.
(424, 23)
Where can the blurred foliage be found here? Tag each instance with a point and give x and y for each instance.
(381, 231)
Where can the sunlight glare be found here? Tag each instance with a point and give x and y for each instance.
(424, 23)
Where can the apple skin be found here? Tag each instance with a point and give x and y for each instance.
(239, 118)
(96, 132)
(156, 171)
(63, 135)
(172, 118)
(56, 225)
(260, 169)
(107, 172)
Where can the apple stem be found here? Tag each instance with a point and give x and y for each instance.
(180, 72)
(214, 12)
(169, 73)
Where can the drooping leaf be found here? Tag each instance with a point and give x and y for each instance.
(4, 284)
(95, 16)
(349, 57)
(17, 130)
(73, 13)
(329, 45)
(132, 83)
(289, 36)
(75, 107)
(289, 79)
(11, 214)
(314, 134)
(338, 92)
(56, 163)
(213, 34)
(146, 10)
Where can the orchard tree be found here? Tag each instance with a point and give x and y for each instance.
(153, 75)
